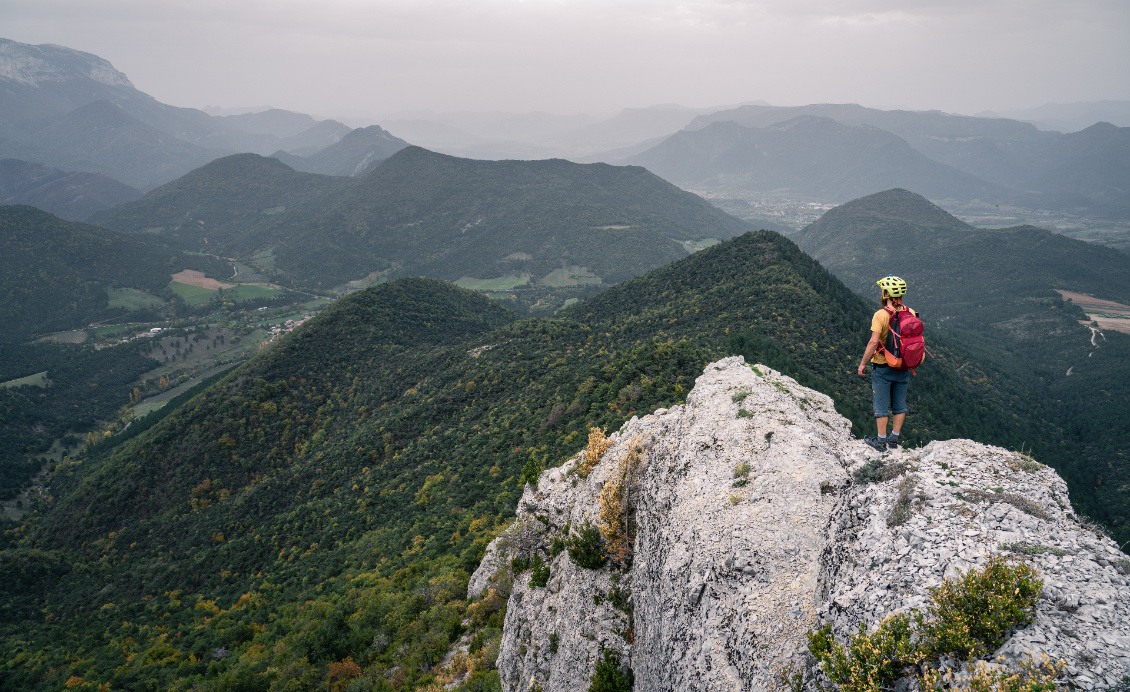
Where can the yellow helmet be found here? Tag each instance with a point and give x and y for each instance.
(894, 286)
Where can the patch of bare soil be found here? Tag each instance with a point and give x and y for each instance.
(1106, 313)
(191, 277)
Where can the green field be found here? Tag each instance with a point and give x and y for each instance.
(193, 295)
(264, 259)
(696, 245)
(502, 283)
(114, 329)
(132, 299)
(569, 276)
(249, 292)
(39, 379)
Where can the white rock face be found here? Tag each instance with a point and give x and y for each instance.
(728, 577)
(38, 65)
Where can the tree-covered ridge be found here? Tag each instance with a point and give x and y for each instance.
(993, 290)
(422, 213)
(54, 273)
(315, 515)
(222, 202)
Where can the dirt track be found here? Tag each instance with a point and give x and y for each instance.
(191, 277)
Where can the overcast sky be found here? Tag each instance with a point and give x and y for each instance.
(361, 57)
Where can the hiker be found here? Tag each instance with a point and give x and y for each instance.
(889, 379)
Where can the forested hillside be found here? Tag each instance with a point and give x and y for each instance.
(422, 213)
(54, 273)
(312, 519)
(219, 205)
(70, 196)
(993, 289)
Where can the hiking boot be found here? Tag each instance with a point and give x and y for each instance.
(892, 444)
(876, 443)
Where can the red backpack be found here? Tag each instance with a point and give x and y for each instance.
(904, 340)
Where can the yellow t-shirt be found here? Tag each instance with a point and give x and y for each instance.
(881, 323)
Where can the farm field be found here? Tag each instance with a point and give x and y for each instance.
(193, 295)
(76, 336)
(696, 245)
(572, 275)
(250, 291)
(39, 379)
(132, 299)
(1106, 313)
(502, 283)
(191, 277)
(264, 260)
(198, 295)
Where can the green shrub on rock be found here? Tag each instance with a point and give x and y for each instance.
(871, 661)
(586, 549)
(540, 573)
(969, 617)
(608, 676)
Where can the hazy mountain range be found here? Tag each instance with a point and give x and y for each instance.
(808, 157)
(71, 196)
(1087, 170)
(74, 111)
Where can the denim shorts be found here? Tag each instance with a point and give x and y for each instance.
(889, 387)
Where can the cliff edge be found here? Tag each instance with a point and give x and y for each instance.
(754, 517)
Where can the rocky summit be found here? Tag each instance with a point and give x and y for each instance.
(758, 518)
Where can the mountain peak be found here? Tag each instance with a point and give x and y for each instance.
(724, 577)
(897, 203)
(37, 65)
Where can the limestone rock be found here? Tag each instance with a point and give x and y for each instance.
(751, 533)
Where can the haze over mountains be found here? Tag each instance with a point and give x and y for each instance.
(74, 111)
(1014, 161)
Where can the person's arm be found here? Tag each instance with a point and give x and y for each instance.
(872, 346)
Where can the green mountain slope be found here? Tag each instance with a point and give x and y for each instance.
(994, 290)
(421, 213)
(54, 273)
(810, 156)
(316, 513)
(231, 203)
(70, 196)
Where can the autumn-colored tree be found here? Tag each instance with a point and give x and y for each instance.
(598, 445)
(617, 502)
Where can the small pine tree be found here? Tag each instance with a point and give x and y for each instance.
(609, 677)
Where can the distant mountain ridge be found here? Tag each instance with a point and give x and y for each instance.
(48, 114)
(1000, 151)
(422, 213)
(807, 155)
(70, 196)
(352, 155)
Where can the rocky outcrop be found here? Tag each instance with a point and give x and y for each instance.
(750, 531)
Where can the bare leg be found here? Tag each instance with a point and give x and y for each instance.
(899, 418)
(882, 424)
